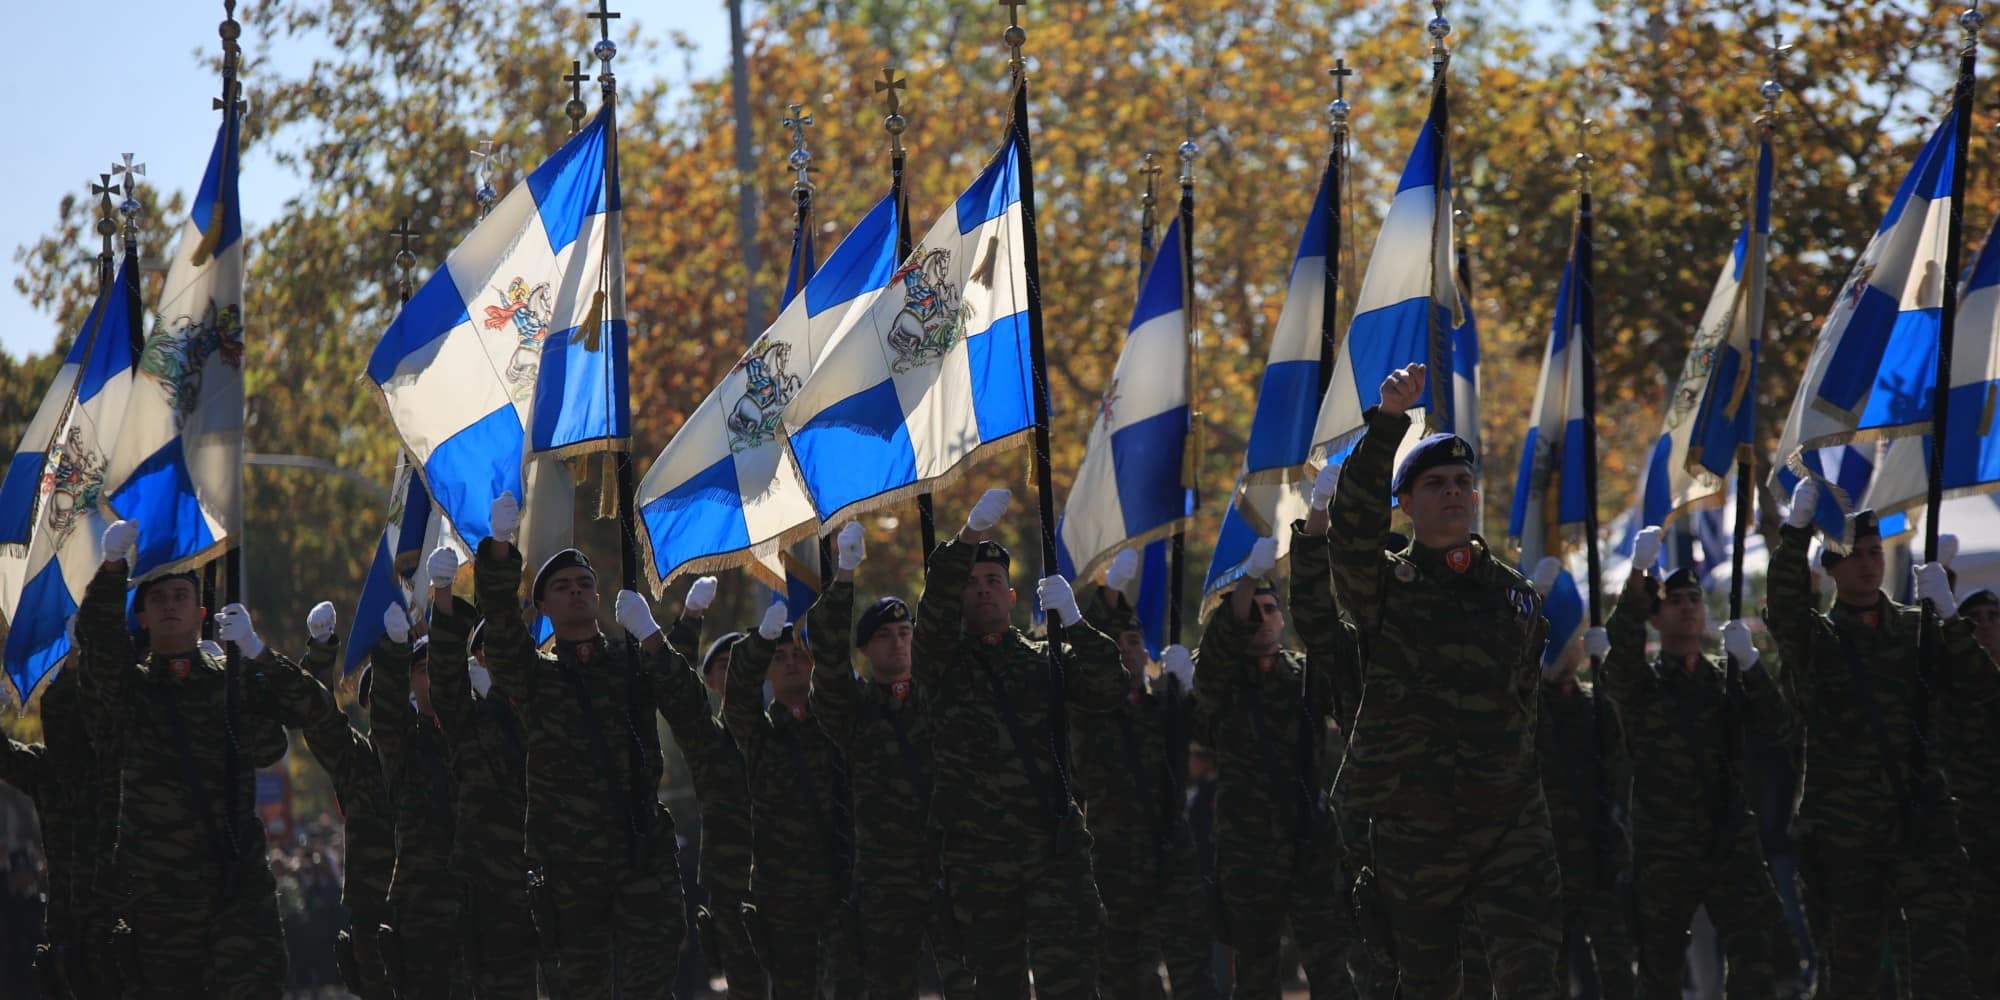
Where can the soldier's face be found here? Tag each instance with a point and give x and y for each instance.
(717, 675)
(1441, 501)
(570, 598)
(791, 671)
(172, 613)
(1132, 651)
(1985, 619)
(888, 651)
(1859, 576)
(988, 599)
(420, 686)
(1682, 615)
(1270, 623)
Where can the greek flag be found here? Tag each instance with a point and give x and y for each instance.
(724, 491)
(1464, 373)
(415, 528)
(793, 575)
(934, 369)
(21, 491)
(1549, 488)
(1564, 609)
(516, 346)
(1711, 416)
(1129, 489)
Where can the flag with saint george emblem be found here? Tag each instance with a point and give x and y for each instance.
(1550, 491)
(793, 575)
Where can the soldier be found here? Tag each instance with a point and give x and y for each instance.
(488, 756)
(882, 727)
(1441, 757)
(367, 816)
(1266, 710)
(601, 843)
(1016, 856)
(1975, 780)
(1128, 777)
(197, 891)
(1876, 816)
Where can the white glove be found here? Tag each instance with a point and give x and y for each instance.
(1596, 642)
(1545, 574)
(1176, 661)
(504, 519)
(1736, 642)
(701, 594)
(209, 647)
(1646, 548)
(442, 566)
(1263, 558)
(232, 624)
(120, 540)
(1805, 500)
(1947, 549)
(1934, 585)
(634, 617)
(1124, 567)
(396, 623)
(775, 618)
(1057, 599)
(1324, 485)
(987, 512)
(482, 679)
(853, 545)
(320, 621)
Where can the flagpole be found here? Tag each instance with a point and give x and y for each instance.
(1760, 251)
(799, 269)
(894, 123)
(1961, 104)
(1441, 382)
(1585, 306)
(1148, 218)
(1191, 449)
(1465, 288)
(1336, 170)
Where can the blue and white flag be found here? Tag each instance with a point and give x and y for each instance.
(1550, 485)
(793, 575)
(934, 370)
(725, 491)
(1711, 415)
(1563, 607)
(1130, 488)
(22, 489)
(414, 528)
(1465, 378)
(516, 346)
(45, 584)
(177, 466)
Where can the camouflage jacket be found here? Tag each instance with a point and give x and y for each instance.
(1332, 642)
(884, 733)
(1973, 732)
(1263, 717)
(1452, 659)
(1871, 721)
(721, 785)
(412, 749)
(1684, 727)
(1131, 762)
(800, 832)
(367, 817)
(75, 803)
(488, 755)
(594, 760)
(185, 815)
(991, 792)
(1586, 780)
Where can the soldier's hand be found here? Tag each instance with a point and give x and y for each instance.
(1805, 501)
(1596, 642)
(1124, 567)
(1176, 661)
(396, 623)
(987, 512)
(1737, 643)
(232, 624)
(209, 647)
(1934, 585)
(1947, 549)
(775, 618)
(1646, 548)
(442, 567)
(1545, 574)
(853, 545)
(1402, 389)
(1058, 599)
(1262, 560)
(321, 620)
(701, 594)
(634, 616)
(1324, 486)
(504, 518)
(120, 539)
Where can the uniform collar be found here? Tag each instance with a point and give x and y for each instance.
(582, 651)
(898, 691)
(177, 666)
(1459, 560)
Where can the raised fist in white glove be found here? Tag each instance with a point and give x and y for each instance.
(1805, 500)
(1124, 568)
(1324, 484)
(120, 539)
(988, 511)
(1646, 548)
(1934, 585)
(232, 624)
(504, 519)
(1057, 599)
(1176, 661)
(775, 618)
(1737, 643)
(321, 620)
(1947, 549)
(442, 566)
(701, 594)
(853, 545)
(634, 616)
(1596, 642)
(1545, 574)
(396, 623)
(209, 647)
(1263, 558)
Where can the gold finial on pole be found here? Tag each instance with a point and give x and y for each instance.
(575, 108)
(800, 158)
(894, 123)
(1439, 28)
(1189, 149)
(1771, 89)
(1582, 162)
(1016, 35)
(1969, 22)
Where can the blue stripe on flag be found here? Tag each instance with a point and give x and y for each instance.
(160, 494)
(864, 261)
(1903, 378)
(569, 186)
(38, 641)
(431, 313)
(1232, 545)
(1524, 483)
(1972, 450)
(1573, 505)
(211, 188)
(1161, 292)
(379, 589)
(472, 467)
(1283, 438)
(1386, 339)
(1139, 451)
(700, 517)
(1155, 590)
(1851, 372)
(1563, 609)
(994, 192)
(576, 389)
(846, 439)
(1930, 177)
(17, 496)
(998, 358)
(1658, 501)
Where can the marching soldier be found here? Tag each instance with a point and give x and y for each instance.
(1975, 780)
(882, 727)
(1128, 776)
(1016, 856)
(1876, 815)
(1441, 759)
(608, 900)
(196, 893)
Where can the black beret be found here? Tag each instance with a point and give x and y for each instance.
(993, 552)
(719, 647)
(365, 685)
(1431, 452)
(1861, 524)
(139, 594)
(566, 559)
(1681, 579)
(884, 611)
(1109, 612)
(1977, 598)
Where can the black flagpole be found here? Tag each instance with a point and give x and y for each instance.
(1961, 106)
(894, 123)
(1760, 249)
(1191, 451)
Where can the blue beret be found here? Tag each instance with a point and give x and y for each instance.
(884, 611)
(1431, 452)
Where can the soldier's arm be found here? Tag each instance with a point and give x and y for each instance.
(683, 699)
(1769, 715)
(510, 649)
(743, 697)
(684, 637)
(285, 692)
(1624, 668)
(25, 766)
(941, 609)
(1223, 639)
(1359, 518)
(107, 655)
(1789, 608)
(1093, 676)
(1314, 613)
(834, 692)
(390, 714)
(452, 621)
(1974, 677)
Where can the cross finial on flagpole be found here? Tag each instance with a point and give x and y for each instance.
(605, 50)
(575, 108)
(894, 123)
(1016, 36)
(1336, 113)
(800, 158)
(484, 160)
(1439, 28)
(406, 258)
(1771, 89)
(129, 174)
(107, 213)
(1151, 171)
(1586, 127)
(1189, 149)
(1969, 22)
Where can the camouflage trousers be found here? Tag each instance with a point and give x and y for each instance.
(1270, 885)
(896, 915)
(429, 943)
(618, 936)
(1982, 927)
(807, 944)
(190, 945)
(730, 945)
(1866, 888)
(365, 933)
(1743, 905)
(1155, 910)
(498, 931)
(1436, 871)
(1018, 906)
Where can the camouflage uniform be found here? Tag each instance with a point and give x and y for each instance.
(1016, 856)
(1974, 764)
(1875, 819)
(423, 895)
(1580, 752)
(194, 883)
(1129, 779)
(723, 791)
(596, 831)
(368, 824)
(884, 733)
(1441, 757)
(1277, 853)
(489, 760)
